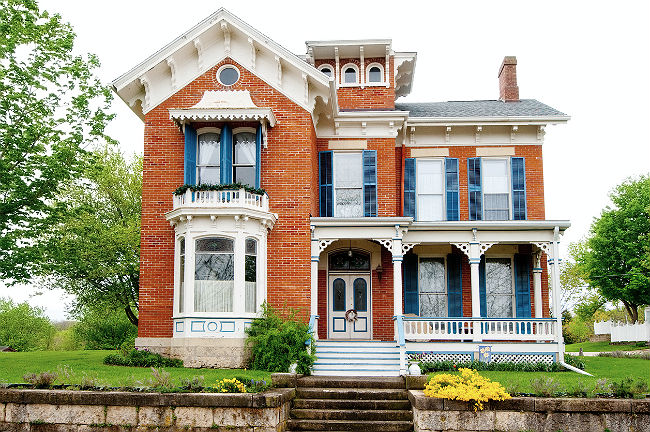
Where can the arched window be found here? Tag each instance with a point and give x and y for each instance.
(349, 260)
(374, 73)
(214, 275)
(326, 69)
(250, 270)
(350, 74)
(209, 156)
(243, 167)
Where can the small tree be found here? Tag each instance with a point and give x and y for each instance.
(103, 329)
(616, 258)
(23, 327)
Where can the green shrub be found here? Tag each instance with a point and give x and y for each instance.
(41, 380)
(628, 387)
(576, 331)
(141, 358)
(23, 327)
(276, 343)
(443, 366)
(574, 361)
(101, 329)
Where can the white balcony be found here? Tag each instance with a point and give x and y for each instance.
(237, 198)
(480, 329)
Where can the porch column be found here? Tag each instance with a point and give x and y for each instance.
(313, 309)
(554, 261)
(537, 283)
(398, 312)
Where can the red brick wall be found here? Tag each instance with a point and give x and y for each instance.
(287, 175)
(369, 97)
(534, 177)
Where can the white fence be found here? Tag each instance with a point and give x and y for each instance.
(602, 327)
(639, 332)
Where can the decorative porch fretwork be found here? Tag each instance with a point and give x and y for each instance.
(464, 248)
(544, 247)
(387, 243)
(407, 247)
(322, 244)
(485, 246)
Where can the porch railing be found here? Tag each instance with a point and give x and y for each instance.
(479, 329)
(222, 198)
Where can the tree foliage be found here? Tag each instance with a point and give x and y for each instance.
(616, 257)
(104, 329)
(23, 327)
(52, 108)
(93, 249)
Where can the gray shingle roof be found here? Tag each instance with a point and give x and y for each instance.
(480, 108)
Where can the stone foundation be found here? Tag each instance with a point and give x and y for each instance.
(229, 353)
(58, 410)
(531, 414)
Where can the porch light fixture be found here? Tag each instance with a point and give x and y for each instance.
(350, 250)
(379, 271)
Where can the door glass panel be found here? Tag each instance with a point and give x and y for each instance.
(338, 290)
(498, 287)
(360, 295)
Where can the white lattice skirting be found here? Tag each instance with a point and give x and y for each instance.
(523, 358)
(430, 357)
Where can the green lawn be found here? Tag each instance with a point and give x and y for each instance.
(601, 346)
(90, 363)
(613, 369)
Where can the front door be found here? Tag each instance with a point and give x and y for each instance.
(348, 306)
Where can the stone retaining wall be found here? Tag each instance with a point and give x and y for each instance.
(82, 411)
(531, 414)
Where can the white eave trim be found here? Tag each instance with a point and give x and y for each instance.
(360, 222)
(467, 121)
(528, 225)
(181, 116)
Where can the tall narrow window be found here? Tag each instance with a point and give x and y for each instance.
(348, 185)
(214, 275)
(208, 164)
(250, 269)
(499, 291)
(243, 167)
(496, 190)
(181, 275)
(432, 287)
(430, 189)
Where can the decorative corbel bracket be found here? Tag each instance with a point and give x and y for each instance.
(447, 134)
(324, 243)
(226, 37)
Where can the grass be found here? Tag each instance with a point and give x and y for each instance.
(601, 346)
(90, 363)
(613, 369)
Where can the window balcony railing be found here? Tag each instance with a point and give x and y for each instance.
(227, 198)
(480, 329)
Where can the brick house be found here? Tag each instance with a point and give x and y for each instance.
(399, 230)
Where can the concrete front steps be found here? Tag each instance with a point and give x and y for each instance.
(375, 404)
(356, 358)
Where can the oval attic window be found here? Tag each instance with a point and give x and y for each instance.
(228, 75)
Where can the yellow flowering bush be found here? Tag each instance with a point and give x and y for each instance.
(469, 386)
(230, 385)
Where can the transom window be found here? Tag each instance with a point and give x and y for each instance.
(214, 275)
(430, 189)
(208, 163)
(496, 189)
(348, 185)
(243, 167)
(432, 287)
(349, 260)
(499, 288)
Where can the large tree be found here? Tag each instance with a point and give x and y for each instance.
(52, 109)
(616, 260)
(92, 249)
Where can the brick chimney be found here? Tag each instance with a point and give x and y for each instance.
(508, 89)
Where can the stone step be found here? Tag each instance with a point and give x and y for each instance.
(352, 383)
(357, 372)
(352, 404)
(352, 393)
(350, 414)
(346, 425)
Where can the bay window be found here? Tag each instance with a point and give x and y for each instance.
(214, 275)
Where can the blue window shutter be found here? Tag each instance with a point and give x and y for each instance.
(370, 183)
(454, 286)
(451, 189)
(226, 154)
(410, 271)
(258, 157)
(326, 204)
(522, 285)
(474, 188)
(481, 287)
(518, 188)
(409, 187)
(190, 155)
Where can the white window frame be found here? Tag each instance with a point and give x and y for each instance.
(382, 81)
(234, 258)
(234, 165)
(228, 66)
(330, 67)
(446, 293)
(334, 174)
(508, 184)
(417, 189)
(512, 282)
(357, 83)
(199, 132)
